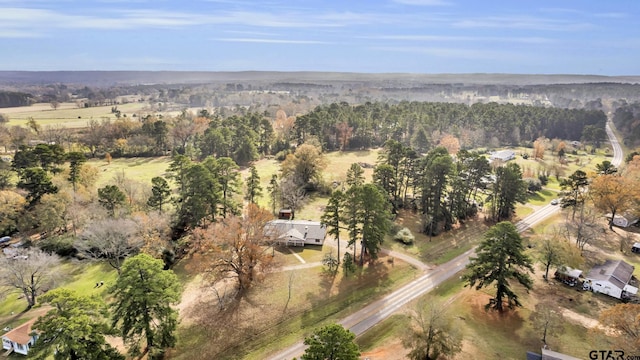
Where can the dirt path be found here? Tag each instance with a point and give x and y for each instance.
(190, 295)
(587, 322)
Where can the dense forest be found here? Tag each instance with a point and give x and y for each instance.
(341, 126)
(10, 98)
(627, 121)
(337, 126)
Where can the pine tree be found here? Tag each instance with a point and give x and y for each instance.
(142, 307)
(254, 190)
(160, 193)
(332, 217)
(500, 257)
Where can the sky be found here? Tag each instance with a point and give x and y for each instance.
(369, 36)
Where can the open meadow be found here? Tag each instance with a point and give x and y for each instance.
(69, 114)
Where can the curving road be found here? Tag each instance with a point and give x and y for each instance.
(364, 319)
(367, 317)
(617, 149)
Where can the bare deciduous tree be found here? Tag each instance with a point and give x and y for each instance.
(30, 271)
(110, 239)
(583, 228)
(235, 249)
(546, 319)
(432, 333)
(292, 195)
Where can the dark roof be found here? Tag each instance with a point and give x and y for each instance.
(617, 272)
(552, 355)
(533, 356)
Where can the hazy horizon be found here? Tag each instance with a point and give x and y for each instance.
(372, 37)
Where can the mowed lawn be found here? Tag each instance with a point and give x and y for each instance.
(81, 276)
(138, 169)
(338, 162)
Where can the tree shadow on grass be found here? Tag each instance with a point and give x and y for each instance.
(362, 285)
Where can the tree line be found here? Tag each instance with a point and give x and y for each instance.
(423, 124)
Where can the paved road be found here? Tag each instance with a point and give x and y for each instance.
(617, 149)
(364, 319)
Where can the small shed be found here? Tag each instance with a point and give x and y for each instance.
(568, 275)
(286, 214)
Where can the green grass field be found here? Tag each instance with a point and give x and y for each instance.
(80, 276)
(139, 169)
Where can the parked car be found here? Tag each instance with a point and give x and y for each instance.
(554, 202)
(5, 239)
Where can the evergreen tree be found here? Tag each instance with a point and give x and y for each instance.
(201, 197)
(254, 189)
(111, 197)
(508, 189)
(375, 220)
(273, 190)
(433, 177)
(355, 175)
(37, 183)
(142, 308)
(332, 217)
(225, 171)
(74, 328)
(160, 193)
(500, 257)
(331, 342)
(76, 159)
(573, 190)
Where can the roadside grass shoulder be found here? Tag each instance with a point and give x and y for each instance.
(393, 327)
(317, 299)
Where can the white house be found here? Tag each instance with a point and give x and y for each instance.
(611, 278)
(624, 220)
(296, 232)
(502, 155)
(20, 339)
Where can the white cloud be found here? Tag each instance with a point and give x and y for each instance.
(18, 34)
(522, 22)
